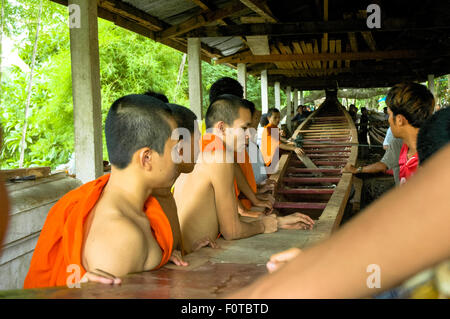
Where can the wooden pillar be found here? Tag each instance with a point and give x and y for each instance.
(294, 107)
(288, 106)
(431, 83)
(277, 95)
(264, 92)
(295, 100)
(195, 77)
(242, 77)
(86, 90)
(301, 100)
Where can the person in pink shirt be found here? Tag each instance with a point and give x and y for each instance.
(409, 106)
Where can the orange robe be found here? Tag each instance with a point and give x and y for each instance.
(61, 239)
(268, 144)
(210, 143)
(247, 169)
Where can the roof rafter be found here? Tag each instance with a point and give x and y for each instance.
(201, 20)
(261, 8)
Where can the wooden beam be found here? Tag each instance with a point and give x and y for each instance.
(253, 20)
(201, 20)
(207, 6)
(394, 54)
(260, 8)
(339, 50)
(202, 4)
(298, 50)
(130, 12)
(332, 48)
(309, 28)
(290, 72)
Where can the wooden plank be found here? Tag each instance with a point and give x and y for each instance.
(260, 8)
(353, 56)
(282, 48)
(338, 50)
(202, 4)
(324, 163)
(130, 12)
(295, 205)
(253, 20)
(282, 65)
(332, 48)
(39, 172)
(305, 191)
(298, 50)
(316, 50)
(306, 29)
(356, 200)
(282, 164)
(305, 51)
(308, 163)
(332, 215)
(325, 130)
(311, 180)
(328, 156)
(309, 170)
(200, 20)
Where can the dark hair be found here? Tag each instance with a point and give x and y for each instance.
(225, 85)
(412, 100)
(225, 108)
(434, 134)
(249, 105)
(183, 116)
(264, 120)
(271, 111)
(133, 122)
(159, 96)
(300, 106)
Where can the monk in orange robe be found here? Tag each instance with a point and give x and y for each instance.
(113, 225)
(271, 143)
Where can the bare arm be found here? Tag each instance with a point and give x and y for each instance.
(404, 232)
(231, 227)
(378, 167)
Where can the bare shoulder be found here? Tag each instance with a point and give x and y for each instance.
(115, 244)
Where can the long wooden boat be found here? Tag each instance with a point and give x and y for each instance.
(330, 140)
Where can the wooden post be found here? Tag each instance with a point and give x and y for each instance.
(86, 92)
(242, 77)
(294, 107)
(264, 92)
(277, 95)
(301, 100)
(288, 105)
(195, 76)
(431, 83)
